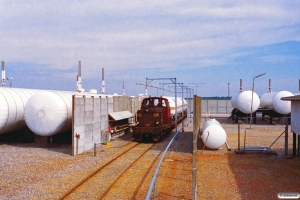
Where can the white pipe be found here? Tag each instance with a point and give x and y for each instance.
(103, 82)
(123, 91)
(3, 73)
(79, 82)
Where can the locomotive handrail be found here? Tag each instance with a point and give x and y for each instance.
(160, 162)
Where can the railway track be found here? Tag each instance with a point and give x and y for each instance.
(103, 183)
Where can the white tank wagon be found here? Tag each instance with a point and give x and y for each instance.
(213, 134)
(243, 100)
(181, 106)
(272, 100)
(12, 104)
(49, 112)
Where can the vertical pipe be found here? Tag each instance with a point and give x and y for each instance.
(123, 90)
(245, 141)
(182, 115)
(239, 144)
(299, 86)
(3, 73)
(270, 90)
(241, 85)
(176, 105)
(79, 83)
(251, 103)
(298, 145)
(146, 87)
(195, 129)
(294, 143)
(103, 82)
(286, 141)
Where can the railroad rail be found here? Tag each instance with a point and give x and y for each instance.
(81, 190)
(153, 181)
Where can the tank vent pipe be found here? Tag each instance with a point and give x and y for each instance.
(299, 86)
(3, 73)
(123, 90)
(103, 82)
(79, 83)
(241, 85)
(270, 90)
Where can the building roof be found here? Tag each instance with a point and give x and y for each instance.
(121, 115)
(291, 98)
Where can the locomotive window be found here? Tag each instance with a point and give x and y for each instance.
(154, 102)
(163, 103)
(146, 103)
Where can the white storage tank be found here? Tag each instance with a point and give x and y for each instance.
(12, 103)
(93, 91)
(242, 101)
(272, 100)
(181, 104)
(49, 112)
(213, 135)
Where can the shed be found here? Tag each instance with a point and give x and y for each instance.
(119, 122)
(295, 121)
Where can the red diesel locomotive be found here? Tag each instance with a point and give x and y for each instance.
(155, 119)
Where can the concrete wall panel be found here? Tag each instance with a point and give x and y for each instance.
(295, 117)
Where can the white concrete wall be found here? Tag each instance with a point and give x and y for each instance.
(216, 106)
(295, 117)
(90, 118)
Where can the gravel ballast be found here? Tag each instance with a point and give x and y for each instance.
(48, 171)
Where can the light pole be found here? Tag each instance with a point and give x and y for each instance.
(252, 95)
(227, 98)
(10, 81)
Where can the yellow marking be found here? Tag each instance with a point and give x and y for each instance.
(156, 115)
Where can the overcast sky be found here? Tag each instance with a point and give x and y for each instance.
(211, 42)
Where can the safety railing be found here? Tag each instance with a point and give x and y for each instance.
(153, 182)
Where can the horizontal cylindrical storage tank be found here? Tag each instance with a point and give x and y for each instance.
(49, 112)
(213, 135)
(12, 103)
(243, 100)
(272, 100)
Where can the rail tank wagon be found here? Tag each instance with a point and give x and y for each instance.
(272, 100)
(243, 100)
(49, 112)
(181, 107)
(213, 134)
(156, 117)
(12, 103)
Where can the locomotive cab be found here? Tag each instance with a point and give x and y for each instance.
(153, 120)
